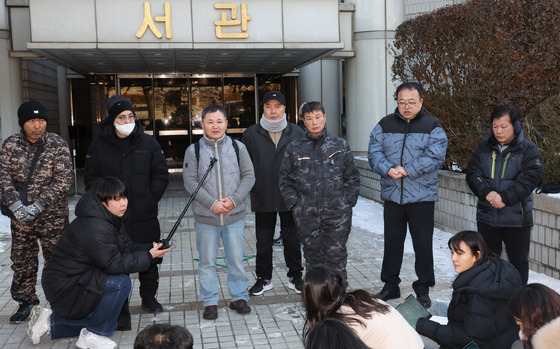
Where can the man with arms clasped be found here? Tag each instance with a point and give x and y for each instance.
(407, 148)
(219, 209)
(266, 143)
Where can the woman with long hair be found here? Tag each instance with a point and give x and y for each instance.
(536, 309)
(375, 322)
(478, 310)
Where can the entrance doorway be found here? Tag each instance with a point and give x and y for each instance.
(170, 106)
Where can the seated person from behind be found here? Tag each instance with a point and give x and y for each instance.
(86, 278)
(333, 334)
(536, 309)
(375, 322)
(162, 336)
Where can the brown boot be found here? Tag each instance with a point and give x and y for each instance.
(210, 312)
(240, 306)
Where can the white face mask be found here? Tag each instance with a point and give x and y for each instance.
(125, 129)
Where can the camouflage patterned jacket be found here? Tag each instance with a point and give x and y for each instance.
(319, 179)
(51, 179)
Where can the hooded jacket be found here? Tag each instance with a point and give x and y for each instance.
(267, 158)
(514, 173)
(478, 309)
(94, 246)
(141, 168)
(419, 146)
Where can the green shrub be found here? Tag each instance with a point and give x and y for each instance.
(474, 56)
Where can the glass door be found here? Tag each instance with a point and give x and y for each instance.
(204, 91)
(171, 117)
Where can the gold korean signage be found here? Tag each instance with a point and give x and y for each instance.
(232, 21)
(233, 18)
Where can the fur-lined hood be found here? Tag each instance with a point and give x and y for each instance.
(548, 336)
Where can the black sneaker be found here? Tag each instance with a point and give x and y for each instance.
(295, 284)
(425, 300)
(385, 295)
(278, 242)
(260, 286)
(22, 314)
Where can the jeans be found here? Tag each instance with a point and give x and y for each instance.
(103, 319)
(207, 242)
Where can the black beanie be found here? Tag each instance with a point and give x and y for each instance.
(116, 105)
(31, 110)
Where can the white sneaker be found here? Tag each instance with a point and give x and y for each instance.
(94, 341)
(39, 323)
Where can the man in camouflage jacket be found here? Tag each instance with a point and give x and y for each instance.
(45, 214)
(320, 183)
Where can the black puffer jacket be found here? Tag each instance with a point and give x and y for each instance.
(267, 157)
(93, 246)
(479, 309)
(513, 173)
(143, 170)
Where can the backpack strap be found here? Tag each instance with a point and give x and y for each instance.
(197, 149)
(236, 148)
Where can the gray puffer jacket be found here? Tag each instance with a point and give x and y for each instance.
(229, 178)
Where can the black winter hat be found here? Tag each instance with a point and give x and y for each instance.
(116, 105)
(31, 110)
(274, 95)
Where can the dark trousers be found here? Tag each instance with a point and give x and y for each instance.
(420, 220)
(45, 230)
(517, 241)
(149, 282)
(265, 223)
(324, 245)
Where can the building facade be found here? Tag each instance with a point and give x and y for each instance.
(174, 57)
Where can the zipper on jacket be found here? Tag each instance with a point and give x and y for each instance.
(493, 170)
(218, 176)
(505, 164)
(402, 153)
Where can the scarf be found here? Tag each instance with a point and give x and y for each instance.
(274, 125)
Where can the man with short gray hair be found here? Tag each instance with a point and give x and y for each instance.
(219, 208)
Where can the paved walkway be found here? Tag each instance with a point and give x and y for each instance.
(276, 319)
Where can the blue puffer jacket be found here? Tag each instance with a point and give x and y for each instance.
(513, 173)
(419, 146)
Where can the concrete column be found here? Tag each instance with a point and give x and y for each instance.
(10, 90)
(321, 81)
(369, 89)
(63, 102)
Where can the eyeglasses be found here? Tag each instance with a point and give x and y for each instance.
(407, 104)
(129, 117)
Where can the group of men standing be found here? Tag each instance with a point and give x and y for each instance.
(304, 175)
(308, 178)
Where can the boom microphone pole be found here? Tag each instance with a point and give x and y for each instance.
(165, 242)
